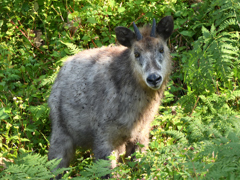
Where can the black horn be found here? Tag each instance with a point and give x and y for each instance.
(153, 31)
(137, 32)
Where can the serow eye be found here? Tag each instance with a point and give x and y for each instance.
(161, 50)
(137, 55)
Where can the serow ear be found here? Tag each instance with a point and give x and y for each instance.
(125, 36)
(165, 27)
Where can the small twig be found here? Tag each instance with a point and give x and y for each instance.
(94, 43)
(58, 13)
(25, 35)
(194, 169)
(194, 106)
(137, 19)
(181, 26)
(2, 102)
(72, 9)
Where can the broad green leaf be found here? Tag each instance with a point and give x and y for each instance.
(92, 20)
(132, 164)
(70, 16)
(24, 139)
(17, 117)
(121, 9)
(3, 115)
(36, 7)
(45, 46)
(112, 3)
(1, 23)
(85, 37)
(25, 6)
(22, 68)
(187, 33)
(75, 13)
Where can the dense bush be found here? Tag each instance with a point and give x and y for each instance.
(196, 134)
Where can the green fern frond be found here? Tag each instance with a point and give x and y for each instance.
(51, 79)
(227, 23)
(179, 136)
(214, 59)
(234, 95)
(31, 166)
(72, 48)
(208, 103)
(230, 14)
(97, 170)
(225, 151)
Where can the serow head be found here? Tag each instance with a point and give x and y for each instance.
(149, 51)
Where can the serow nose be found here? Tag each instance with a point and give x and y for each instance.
(154, 79)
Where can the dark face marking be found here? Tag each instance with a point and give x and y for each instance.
(149, 53)
(121, 71)
(138, 56)
(148, 66)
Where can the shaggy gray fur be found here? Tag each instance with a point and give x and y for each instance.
(106, 98)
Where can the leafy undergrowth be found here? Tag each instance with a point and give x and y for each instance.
(196, 135)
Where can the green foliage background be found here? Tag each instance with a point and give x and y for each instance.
(196, 135)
